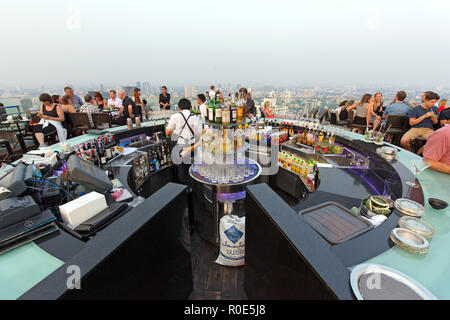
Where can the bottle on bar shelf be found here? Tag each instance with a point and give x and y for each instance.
(211, 110)
(226, 112)
(218, 111)
(240, 110)
(233, 109)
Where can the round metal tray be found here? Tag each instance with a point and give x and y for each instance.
(416, 225)
(409, 240)
(409, 207)
(401, 278)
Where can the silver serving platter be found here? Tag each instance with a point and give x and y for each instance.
(363, 269)
(409, 240)
(409, 207)
(388, 150)
(387, 156)
(416, 225)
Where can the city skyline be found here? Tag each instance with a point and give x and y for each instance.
(282, 43)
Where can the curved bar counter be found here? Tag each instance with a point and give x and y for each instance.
(285, 257)
(311, 267)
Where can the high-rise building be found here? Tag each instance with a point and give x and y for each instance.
(128, 90)
(138, 85)
(190, 92)
(146, 88)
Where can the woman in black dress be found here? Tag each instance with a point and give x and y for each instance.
(164, 99)
(99, 101)
(49, 111)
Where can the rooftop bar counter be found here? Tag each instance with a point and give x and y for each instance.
(287, 259)
(147, 249)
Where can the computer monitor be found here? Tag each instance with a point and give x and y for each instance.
(14, 180)
(88, 175)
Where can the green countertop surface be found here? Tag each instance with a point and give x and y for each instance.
(24, 267)
(432, 269)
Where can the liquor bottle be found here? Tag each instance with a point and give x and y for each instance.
(320, 139)
(332, 139)
(240, 110)
(218, 116)
(226, 112)
(211, 110)
(102, 154)
(233, 108)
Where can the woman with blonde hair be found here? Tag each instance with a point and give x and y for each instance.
(267, 110)
(139, 104)
(376, 112)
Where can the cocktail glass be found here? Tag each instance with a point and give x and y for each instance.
(418, 167)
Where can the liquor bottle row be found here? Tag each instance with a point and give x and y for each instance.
(314, 137)
(226, 111)
(306, 170)
(98, 151)
(159, 155)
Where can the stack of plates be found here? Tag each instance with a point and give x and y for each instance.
(418, 226)
(388, 153)
(409, 207)
(410, 241)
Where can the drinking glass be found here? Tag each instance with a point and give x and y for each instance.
(418, 167)
(368, 135)
(379, 137)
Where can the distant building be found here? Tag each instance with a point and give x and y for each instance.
(190, 92)
(128, 90)
(146, 88)
(138, 85)
(280, 109)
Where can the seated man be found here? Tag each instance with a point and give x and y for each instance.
(421, 119)
(89, 108)
(437, 150)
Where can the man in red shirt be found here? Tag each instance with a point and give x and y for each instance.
(437, 150)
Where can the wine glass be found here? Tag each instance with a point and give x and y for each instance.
(418, 166)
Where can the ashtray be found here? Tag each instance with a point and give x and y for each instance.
(437, 203)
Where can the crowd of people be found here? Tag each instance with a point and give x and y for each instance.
(428, 120)
(54, 111)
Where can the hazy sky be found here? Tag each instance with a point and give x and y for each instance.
(183, 42)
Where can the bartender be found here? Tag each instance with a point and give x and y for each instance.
(186, 130)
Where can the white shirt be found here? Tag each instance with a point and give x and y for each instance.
(117, 102)
(176, 123)
(212, 93)
(203, 110)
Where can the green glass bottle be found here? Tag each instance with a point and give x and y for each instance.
(218, 111)
(211, 110)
